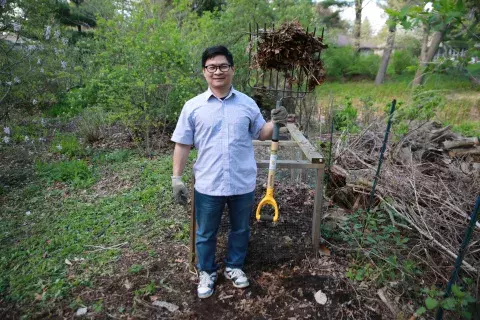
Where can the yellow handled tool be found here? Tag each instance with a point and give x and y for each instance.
(268, 199)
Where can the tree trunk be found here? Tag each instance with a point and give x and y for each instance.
(423, 53)
(382, 70)
(358, 24)
(79, 28)
(428, 52)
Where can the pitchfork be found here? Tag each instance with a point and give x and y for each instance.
(270, 81)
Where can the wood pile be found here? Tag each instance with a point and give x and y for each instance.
(428, 184)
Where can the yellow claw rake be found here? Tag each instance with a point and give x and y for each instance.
(268, 199)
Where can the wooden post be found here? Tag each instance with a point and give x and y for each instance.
(317, 211)
(292, 153)
(303, 172)
(193, 229)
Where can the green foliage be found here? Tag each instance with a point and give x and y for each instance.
(116, 156)
(36, 71)
(346, 117)
(380, 244)
(147, 290)
(338, 61)
(184, 233)
(74, 172)
(468, 128)
(458, 302)
(64, 223)
(91, 123)
(402, 60)
(367, 109)
(365, 64)
(423, 107)
(408, 43)
(345, 62)
(135, 268)
(67, 145)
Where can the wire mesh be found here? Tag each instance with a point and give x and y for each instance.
(288, 240)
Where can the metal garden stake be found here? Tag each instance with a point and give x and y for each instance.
(461, 254)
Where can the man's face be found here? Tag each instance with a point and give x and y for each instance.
(219, 80)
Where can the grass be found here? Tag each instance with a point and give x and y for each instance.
(461, 101)
(76, 198)
(398, 87)
(59, 216)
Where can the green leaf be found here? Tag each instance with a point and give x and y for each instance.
(449, 304)
(420, 311)
(359, 276)
(457, 292)
(431, 303)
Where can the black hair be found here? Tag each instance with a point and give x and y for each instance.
(212, 52)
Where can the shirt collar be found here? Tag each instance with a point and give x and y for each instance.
(209, 93)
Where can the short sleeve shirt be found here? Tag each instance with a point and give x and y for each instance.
(222, 131)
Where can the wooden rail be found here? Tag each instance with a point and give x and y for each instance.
(291, 164)
(309, 151)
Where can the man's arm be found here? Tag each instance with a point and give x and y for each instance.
(266, 131)
(180, 156)
(279, 116)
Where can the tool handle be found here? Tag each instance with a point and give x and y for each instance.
(276, 127)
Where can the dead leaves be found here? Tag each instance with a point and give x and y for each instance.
(289, 48)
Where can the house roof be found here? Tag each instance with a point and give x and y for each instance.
(344, 40)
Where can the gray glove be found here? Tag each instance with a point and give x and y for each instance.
(279, 116)
(180, 192)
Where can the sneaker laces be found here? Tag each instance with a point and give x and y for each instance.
(205, 280)
(236, 273)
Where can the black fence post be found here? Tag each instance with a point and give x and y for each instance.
(382, 151)
(461, 254)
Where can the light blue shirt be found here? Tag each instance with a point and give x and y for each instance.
(222, 132)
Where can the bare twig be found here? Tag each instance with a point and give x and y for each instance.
(101, 248)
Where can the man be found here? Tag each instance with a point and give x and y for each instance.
(221, 123)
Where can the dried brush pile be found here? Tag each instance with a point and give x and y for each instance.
(429, 183)
(287, 48)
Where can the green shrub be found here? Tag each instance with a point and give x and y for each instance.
(365, 64)
(344, 62)
(91, 124)
(67, 145)
(75, 172)
(117, 156)
(338, 61)
(346, 117)
(401, 60)
(423, 106)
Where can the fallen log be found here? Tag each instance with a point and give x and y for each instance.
(455, 153)
(464, 143)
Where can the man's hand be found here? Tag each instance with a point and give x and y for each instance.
(279, 116)
(180, 192)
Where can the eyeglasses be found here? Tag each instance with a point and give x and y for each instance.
(212, 68)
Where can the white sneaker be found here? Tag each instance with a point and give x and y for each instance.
(237, 276)
(206, 284)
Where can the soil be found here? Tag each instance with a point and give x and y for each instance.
(279, 292)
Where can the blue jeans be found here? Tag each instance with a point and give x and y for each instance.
(208, 212)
